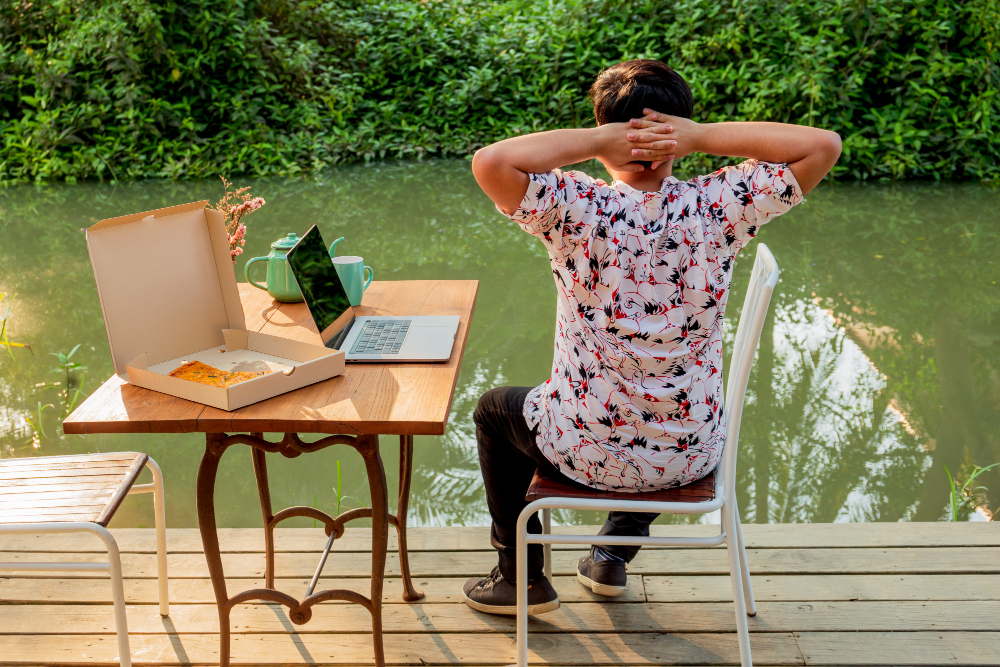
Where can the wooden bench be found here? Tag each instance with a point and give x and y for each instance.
(74, 494)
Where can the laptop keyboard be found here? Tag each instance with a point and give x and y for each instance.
(381, 337)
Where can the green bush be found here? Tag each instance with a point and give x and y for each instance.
(153, 88)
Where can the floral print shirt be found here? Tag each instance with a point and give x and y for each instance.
(634, 400)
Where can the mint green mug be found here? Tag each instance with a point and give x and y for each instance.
(351, 270)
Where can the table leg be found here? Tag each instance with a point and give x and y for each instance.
(208, 470)
(299, 611)
(368, 447)
(264, 492)
(410, 594)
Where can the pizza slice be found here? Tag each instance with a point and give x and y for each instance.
(195, 371)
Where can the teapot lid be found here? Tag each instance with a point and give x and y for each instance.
(286, 243)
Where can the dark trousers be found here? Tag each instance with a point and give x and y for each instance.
(508, 457)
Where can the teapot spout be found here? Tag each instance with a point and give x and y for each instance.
(333, 246)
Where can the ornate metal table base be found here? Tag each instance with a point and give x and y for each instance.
(291, 446)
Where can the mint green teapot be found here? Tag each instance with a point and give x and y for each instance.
(281, 283)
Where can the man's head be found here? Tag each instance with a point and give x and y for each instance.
(622, 91)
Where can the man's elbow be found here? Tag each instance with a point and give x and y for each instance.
(485, 162)
(831, 146)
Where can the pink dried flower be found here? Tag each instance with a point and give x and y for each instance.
(236, 205)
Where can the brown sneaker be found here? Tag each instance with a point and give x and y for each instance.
(496, 595)
(604, 577)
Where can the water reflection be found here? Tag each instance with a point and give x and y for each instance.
(878, 365)
(822, 442)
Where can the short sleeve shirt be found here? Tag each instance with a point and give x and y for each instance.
(634, 399)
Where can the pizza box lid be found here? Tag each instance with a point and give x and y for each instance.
(166, 282)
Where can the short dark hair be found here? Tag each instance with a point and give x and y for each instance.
(622, 91)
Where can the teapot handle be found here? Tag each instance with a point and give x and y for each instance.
(333, 246)
(246, 272)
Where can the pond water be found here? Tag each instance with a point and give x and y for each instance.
(878, 369)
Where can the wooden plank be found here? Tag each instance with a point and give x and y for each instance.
(27, 476)
(828, 648)
(476, 538)
(24, 590)
(984, 560)
(369, 398)
(54, 499)
(119, 407)
(9, 515)
(815, 561)
(68, 461)
(900, 648)
(827, 587)
(20, 590)
(88, 517)
(421, 649)
(27, 491)
(585, 617)
(39, 484)
(561, 487)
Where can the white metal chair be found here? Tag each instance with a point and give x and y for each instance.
(80, 494)
(544, 495)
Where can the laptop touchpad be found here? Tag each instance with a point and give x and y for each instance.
(429, 341)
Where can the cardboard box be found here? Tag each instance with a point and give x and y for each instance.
(168, 293)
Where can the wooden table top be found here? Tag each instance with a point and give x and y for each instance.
(403, 399)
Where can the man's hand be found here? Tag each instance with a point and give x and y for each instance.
(502, 169)
(656, 133)
(616, 147)
(810, 152)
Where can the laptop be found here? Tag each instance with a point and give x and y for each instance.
(372, 339)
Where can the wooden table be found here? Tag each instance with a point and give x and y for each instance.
(366, 401)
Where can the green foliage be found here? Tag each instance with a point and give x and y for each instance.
(338, 490)
(146, 88)
(74, 375)
(4, 318)
(37, 426)
(962, 500)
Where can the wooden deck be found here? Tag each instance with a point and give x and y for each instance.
(842, 594)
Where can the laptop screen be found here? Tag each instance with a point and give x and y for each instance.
(321, 288)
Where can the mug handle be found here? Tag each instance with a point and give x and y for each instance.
(371, 276)
(246, 272)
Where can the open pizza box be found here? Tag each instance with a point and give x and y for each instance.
(169, 296)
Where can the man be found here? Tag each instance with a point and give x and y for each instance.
(643, 268)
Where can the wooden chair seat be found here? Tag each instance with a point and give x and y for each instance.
(84, 488)
(551, 487)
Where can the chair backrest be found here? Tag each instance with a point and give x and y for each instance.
(762, 281)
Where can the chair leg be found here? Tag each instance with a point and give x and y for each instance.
(118, 597)
(159, 517)
(745, 567)
(522, 591)
(733, 547)
(547, 548)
